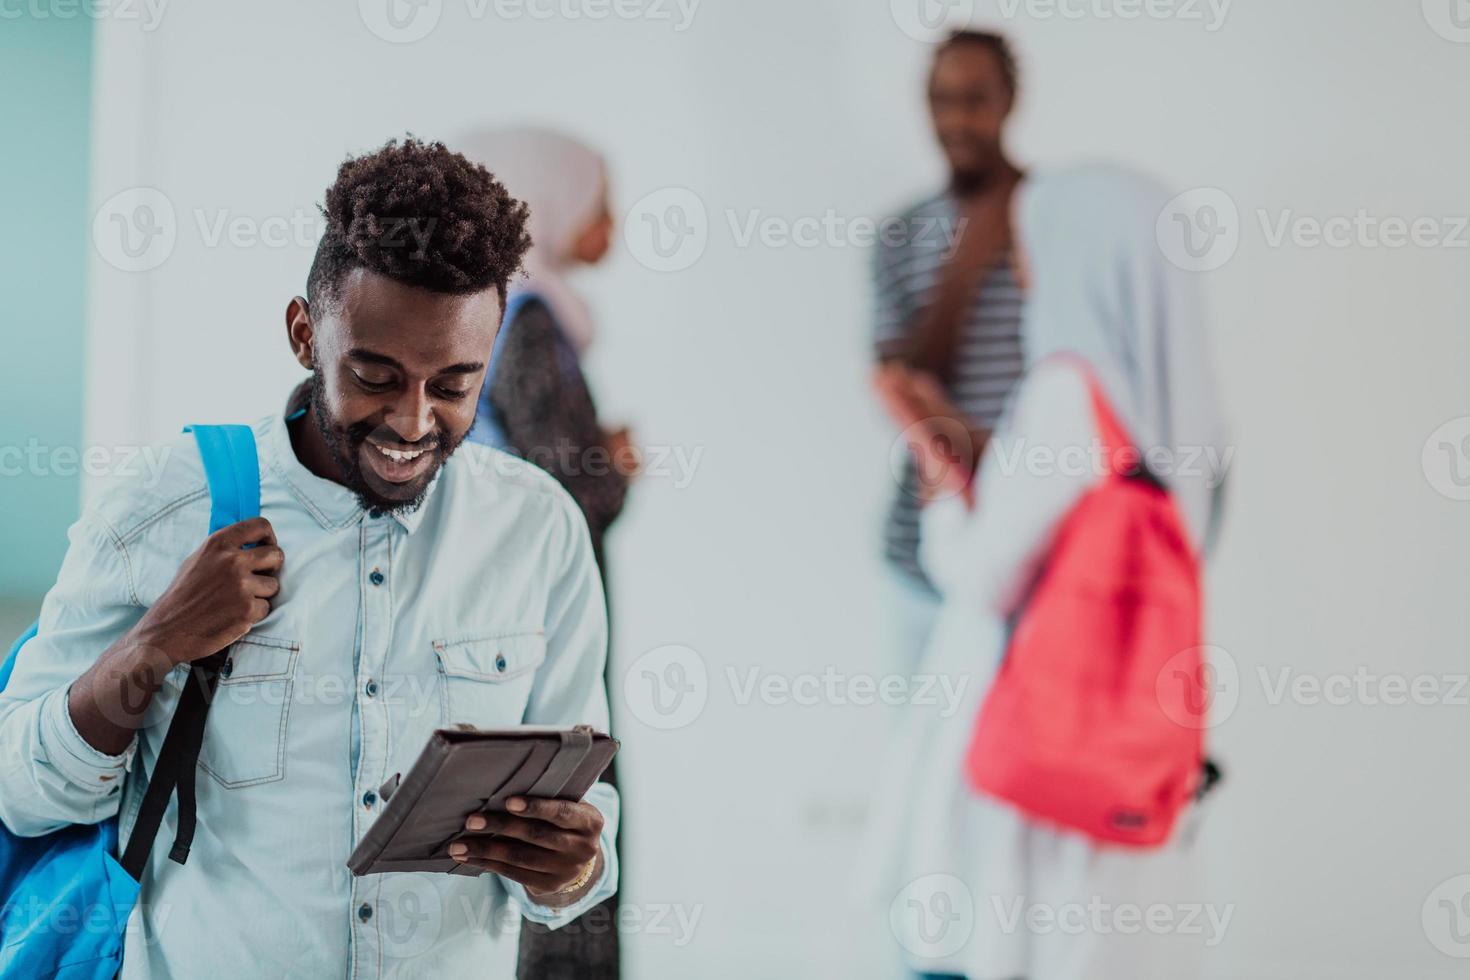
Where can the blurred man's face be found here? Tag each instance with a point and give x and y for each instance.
(396, 377)
(969, 102)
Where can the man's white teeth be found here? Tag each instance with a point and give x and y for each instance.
(400, 456)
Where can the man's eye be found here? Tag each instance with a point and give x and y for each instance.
(452, 394)
(372, 384)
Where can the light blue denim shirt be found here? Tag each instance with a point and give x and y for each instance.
(482, 606)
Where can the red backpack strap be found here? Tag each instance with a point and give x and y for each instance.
(1123, 455)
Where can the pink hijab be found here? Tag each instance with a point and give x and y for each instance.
(563, 182)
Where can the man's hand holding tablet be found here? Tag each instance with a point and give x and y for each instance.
(548, 845)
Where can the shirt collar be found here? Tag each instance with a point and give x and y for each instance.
(333, 505)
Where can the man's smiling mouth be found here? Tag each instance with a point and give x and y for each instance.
(399, 455)
(400, 464)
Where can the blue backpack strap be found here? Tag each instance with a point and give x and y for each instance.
(8, 667)
(232, 468)
(489, 428)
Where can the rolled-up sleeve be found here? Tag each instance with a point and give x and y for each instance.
(50, 776)
(569, 690)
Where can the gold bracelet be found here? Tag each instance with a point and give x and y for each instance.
(582, 878)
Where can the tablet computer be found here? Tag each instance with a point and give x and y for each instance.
(465, 770)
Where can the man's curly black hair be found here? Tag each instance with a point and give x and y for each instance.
(421, 215)
(996, 44)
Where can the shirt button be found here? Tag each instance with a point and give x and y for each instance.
(372, 689)
(500, 662)
(364, 911)
(376, 577)
(227, 669)
(368, 799)
(374, 512)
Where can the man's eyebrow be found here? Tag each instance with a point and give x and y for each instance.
(464, 367)
(373, 357)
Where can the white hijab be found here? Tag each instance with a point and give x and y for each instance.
(563, 182)
(1100, 286)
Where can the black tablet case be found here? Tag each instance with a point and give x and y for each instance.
(466, 770)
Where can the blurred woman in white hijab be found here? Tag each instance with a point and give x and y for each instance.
(979, 891)
(536, 403)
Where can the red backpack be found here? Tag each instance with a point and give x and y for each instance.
(1095, 719)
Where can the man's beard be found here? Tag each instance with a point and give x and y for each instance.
(979, 176)
(974, 180)
(346, 443)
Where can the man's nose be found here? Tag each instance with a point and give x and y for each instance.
(413, 417)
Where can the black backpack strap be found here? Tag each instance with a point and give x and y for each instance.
(204, 677)
(1210, 777)
(232, 472)
(178, 762)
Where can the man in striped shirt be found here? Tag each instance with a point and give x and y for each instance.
(948, 302)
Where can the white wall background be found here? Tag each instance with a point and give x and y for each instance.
(1338, 821)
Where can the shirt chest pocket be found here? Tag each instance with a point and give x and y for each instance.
(245, 734)
(486, 680)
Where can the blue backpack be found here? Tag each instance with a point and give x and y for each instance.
(66, 897)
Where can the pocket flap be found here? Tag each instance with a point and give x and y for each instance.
(256, 658)
(492, 658)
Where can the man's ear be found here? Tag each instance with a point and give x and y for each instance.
(299, 330)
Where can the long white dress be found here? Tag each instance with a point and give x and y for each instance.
(973, 888)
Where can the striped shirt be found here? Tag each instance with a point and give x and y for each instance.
(911, 254)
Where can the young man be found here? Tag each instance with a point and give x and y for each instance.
(399, 583)
(948, 303)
